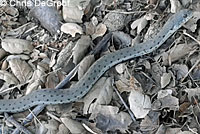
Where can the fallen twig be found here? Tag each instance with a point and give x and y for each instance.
(127, 108)
(39, 108)
(16, 124)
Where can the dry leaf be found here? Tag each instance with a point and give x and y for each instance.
(53, 60)
(145, 63)
(11, 11)
(4, 65)
(48, 17)
(140, 104)
(152, 31)
(108, 118)
(108, 2)
(120, 68)
(99, 31)
(8, 77)
(33, 86)
(156, 71)
(63, 129)
(71, 28)
(123, 85)
(163, 93)
(176, 53)
(17, 46)
(89, 28)
(52, 126)
(74, 126)
(102, 91)
(36, 81)
(2, 53)
(175, 6)
(153, 2)
(52, 80)
(19, 30)
(165, 79)
(168, 101)
(84, 65)
(150, 122)
(21, 69)
(136, 40)
(64, 56)
(172, 130)
(74, 9)
(122, 39)
(40, 128)
(186, 132)
(140, 24)
(192, 23)
(185, 3)
(19, 56)
(72, 14)
(181, 70)
(192, 92)
(80, 49)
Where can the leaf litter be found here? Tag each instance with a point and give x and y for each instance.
(160, 89)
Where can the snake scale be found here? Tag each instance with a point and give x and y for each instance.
(82, 87)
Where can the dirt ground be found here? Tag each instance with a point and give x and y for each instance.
(53, 44)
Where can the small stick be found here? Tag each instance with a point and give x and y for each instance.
(16, 124)
(102, 44)
(128, 109)
(39, 108)
(196, 63)
(184, 32)
(123, 12)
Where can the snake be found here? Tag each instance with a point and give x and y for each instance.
(97, 69)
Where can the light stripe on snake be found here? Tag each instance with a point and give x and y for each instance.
(82, 87)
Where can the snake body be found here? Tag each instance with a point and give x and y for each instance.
(82, 87)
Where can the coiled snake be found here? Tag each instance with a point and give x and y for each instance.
(82, 87)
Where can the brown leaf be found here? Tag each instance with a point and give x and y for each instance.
(175, 6)
(64, 56)
(165, 79)
(168, 101)
(192, 23)
(2, 53)
(72, 29)
(75, 127)
(84, 65)
(102, 91)
(109, 118)
(72, 14)
(80, 49)
(8, 77)
(17, 46)
(99, 31)
(21, 69)
(140, 104)
(73, 10)
(63, 129)
(140, 24)
(175, 53)
(192, 92)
